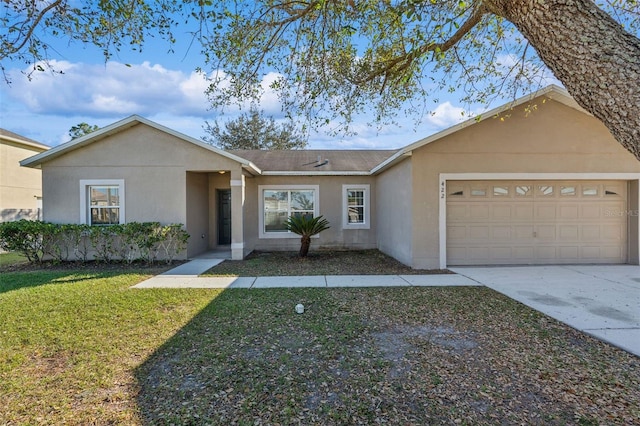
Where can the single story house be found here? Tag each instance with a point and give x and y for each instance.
(20, 188)
(537, 181)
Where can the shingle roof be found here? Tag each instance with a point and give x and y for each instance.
(315, 161)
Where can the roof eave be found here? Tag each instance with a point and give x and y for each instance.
(30, 144)
(391, 161)
(316, 173)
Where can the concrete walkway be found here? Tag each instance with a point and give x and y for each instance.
(186, 276)
(603, 301)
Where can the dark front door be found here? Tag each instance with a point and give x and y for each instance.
(224, 216)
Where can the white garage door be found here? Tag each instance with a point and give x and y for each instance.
(536, 222)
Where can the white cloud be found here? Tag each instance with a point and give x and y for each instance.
(116, 90)
(446, 115)
(113, 89)
(539, 74)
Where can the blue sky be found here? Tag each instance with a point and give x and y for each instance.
(165, 88)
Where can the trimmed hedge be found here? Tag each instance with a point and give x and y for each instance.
(147, 241)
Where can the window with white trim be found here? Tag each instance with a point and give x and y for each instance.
(102, 201)
(278, 202)
(356, 207)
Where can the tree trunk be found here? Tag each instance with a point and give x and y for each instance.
(305, 243)
(592, 55)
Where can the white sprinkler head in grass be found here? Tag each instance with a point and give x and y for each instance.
(300, 308)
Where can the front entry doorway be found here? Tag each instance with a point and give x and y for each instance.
(224, 216)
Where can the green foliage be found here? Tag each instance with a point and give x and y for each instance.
(82, 129)
(253, 130)
(174, 240)
(306, 227)
(63, 242)
(330, 61)
(104, 240)
(24, 237)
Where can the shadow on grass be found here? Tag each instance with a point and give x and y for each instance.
(248, 353)
(10, 281)
(379, 355)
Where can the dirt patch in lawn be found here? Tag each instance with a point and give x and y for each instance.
(347, 262)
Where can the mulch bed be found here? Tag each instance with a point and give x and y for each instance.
(321, 262)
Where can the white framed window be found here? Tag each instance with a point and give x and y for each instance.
(278, 202)
(102, 201)
(356, 207)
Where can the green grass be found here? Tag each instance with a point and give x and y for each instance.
(69, 342)
(81, 347)
(11, 259)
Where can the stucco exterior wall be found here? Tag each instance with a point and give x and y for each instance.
(330, 199)
(394, 192)
(251, 213)
(20, 187)
(154, 168)
(197, 223)
(553, 138)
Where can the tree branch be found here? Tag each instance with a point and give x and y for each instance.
(403, 62)
(29, 33)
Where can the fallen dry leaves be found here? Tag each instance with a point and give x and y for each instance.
(384, 356)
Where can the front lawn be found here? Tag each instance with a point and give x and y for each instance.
(81, 347)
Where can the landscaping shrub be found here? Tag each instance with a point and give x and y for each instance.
(24, 237)
(62, 242)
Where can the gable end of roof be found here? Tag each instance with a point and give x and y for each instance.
(37, 160)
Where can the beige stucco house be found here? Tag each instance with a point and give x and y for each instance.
(20, 187)
(536, 181)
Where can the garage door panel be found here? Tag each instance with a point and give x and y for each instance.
(545, 212)
(546, 253)
(457, 212)
(546, 232)
(612, 232)
(610, 252)
(457, 255)
(501, 212)
(501, 232)
(478, 254)
(568, 212)
(590, 252)
(455, 233)
(537, 222)
(524, 232)
(569, 232)
(591, 211)
(523, 254)
(613, 210)
(500, 254)
(591, 233)
(479, 211)
(523, 212)
(478, 232)
(569, 253)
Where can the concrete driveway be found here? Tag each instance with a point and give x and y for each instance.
(603, 301)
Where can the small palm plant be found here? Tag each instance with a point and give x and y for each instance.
(306, 227)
